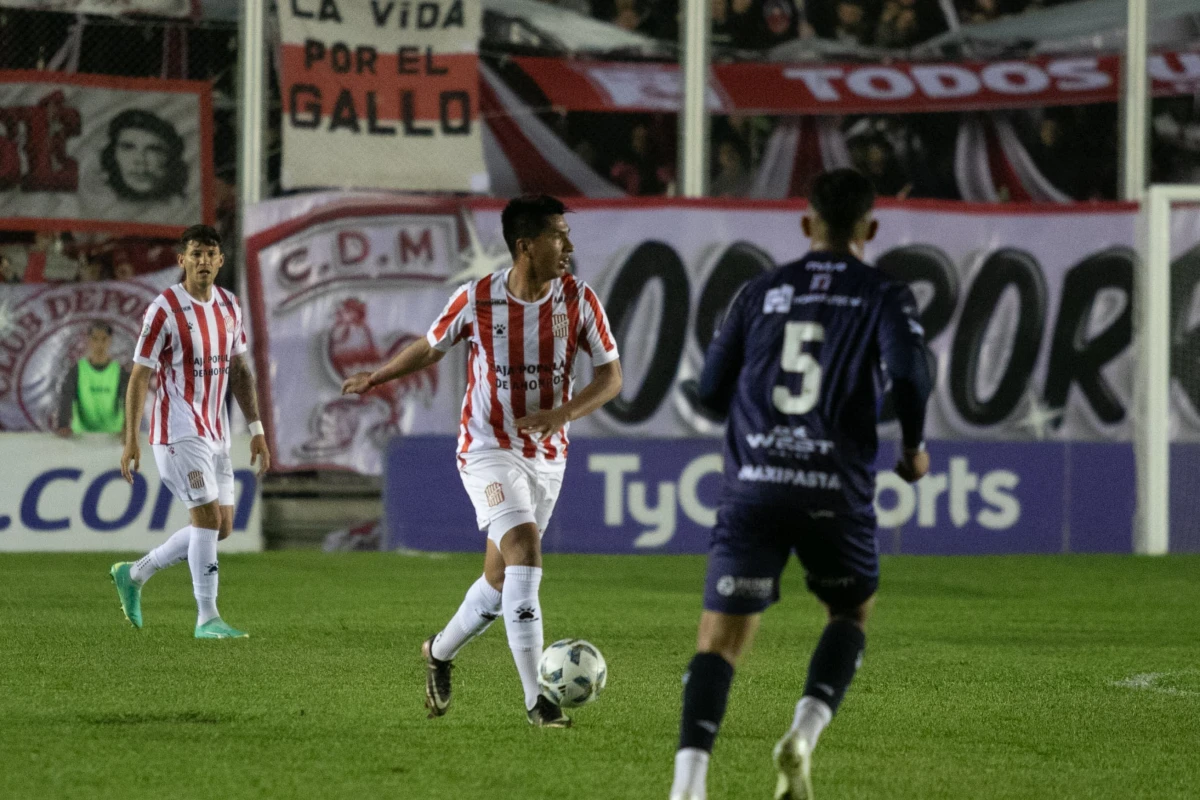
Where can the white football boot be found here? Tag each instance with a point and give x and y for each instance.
(793, 760)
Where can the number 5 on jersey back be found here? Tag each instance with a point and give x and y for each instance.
(794, 359)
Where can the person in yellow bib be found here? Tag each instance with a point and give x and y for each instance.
(93, 393)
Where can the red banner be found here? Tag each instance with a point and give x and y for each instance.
(768, 88)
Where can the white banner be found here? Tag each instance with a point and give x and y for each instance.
(90, 152)
(381, 95)
(43, 332)
(1028, 311)
(68, 494)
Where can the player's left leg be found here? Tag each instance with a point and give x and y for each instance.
(211, 523)
(521, 547)
(720, 643)
(745, 561)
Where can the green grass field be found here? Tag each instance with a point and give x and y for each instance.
(984, 678)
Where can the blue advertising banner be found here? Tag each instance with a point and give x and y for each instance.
(68, 494)
(659, 496)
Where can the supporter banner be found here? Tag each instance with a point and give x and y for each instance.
(381, 95)
(659, 496)
(1027, 311)
(159, 8)
(43, 332)
(88, 152)
(68, 494)
(341, 290)
(854, 88)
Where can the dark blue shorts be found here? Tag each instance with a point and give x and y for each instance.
(750, 547)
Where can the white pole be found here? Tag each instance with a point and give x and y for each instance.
(693, 116)
(251, 103)
(1152, 443)
(1134, 109)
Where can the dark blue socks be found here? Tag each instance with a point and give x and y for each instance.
(705, 692)
(834, 662)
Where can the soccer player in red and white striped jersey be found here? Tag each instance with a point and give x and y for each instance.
(194, 340)
(524, 327)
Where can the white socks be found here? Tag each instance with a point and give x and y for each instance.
(812, 715)
(479, 609)
(202, 559)
(691, 774)
(523, 624)
(167, 554)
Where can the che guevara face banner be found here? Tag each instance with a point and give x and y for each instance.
(129, 156)
(1028, 311)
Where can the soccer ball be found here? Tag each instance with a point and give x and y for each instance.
(572, 672)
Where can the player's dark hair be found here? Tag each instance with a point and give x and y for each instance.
(174, 181)
(841, 197)
(527, 217)
(100, 325)
(201, 235)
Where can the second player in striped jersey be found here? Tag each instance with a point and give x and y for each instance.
(194, 342)
(524, 326)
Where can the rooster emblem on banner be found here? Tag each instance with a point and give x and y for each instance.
(350, 347)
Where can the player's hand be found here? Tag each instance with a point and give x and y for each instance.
(913, 465)
(358, 383)
(542, 424)
(258, 447)
(131, 456)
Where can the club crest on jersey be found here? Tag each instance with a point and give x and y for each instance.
(559, 323)
(228, 321)
(494, 492)
(196, 479)
(499, 329)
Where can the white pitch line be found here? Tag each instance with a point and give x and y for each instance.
(1149, 680)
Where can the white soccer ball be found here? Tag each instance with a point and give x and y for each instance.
(572, 672)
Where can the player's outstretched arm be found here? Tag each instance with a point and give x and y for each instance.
(135, 401)
(241, 383)
(414, 358)
(605, 385)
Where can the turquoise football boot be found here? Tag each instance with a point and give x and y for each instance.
(129, 590)
(216, 628)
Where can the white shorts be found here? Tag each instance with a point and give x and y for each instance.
(196, 470)
(508, 490)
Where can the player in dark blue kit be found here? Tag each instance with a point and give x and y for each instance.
(799, 366)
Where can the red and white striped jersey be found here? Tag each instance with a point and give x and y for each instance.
(190, 345)
(521, 357)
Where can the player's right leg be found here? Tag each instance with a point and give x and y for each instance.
(745, 561)
(834, 662)
(478, 611)
(842, 569)
(130, 577)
